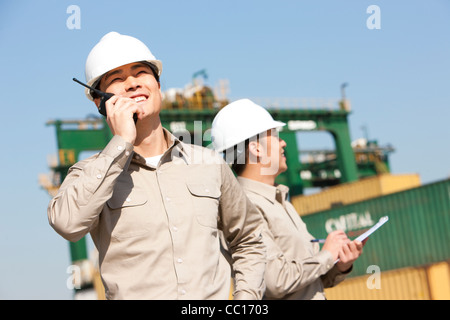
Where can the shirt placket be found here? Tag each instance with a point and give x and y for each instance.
(176, 229)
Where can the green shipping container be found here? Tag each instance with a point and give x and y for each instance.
(417, 233)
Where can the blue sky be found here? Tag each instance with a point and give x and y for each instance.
(398, 79)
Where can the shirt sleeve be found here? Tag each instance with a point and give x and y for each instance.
(334, 277)
(241, 224)
(88, 185)
(284, 276)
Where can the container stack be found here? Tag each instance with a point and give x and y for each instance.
(407, 258)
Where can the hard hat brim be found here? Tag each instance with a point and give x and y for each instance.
(230, 144)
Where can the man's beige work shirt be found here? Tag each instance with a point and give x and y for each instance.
(296, 269)
(156, 228)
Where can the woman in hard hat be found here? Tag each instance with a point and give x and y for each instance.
(296, 268)
(154, 205)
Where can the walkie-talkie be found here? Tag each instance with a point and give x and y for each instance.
(105, 96)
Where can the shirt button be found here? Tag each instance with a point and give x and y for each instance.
(128, 199)
(127, 153)
(179, 260)
(167, 198)
(120, 148)
(99, 176)
(174, 228)
(182, 292)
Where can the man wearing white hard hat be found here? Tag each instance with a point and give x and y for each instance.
(155, 211)
(296, 268)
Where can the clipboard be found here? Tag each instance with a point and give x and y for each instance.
(374, 228)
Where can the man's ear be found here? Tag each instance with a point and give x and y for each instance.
(254, 151)
(97, 101)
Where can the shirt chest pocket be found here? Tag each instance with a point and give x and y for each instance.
(128, 214)
(205, 202)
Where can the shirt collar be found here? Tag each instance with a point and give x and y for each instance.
(173, 143)
(274, 194)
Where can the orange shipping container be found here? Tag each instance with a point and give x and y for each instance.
(419, 283)
(352, 192)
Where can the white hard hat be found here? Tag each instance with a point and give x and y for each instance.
(115, 50)
(239, 121)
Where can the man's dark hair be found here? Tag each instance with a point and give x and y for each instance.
(238, 165)
(240, 155)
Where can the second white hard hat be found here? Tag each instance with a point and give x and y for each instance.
(239, 121)
(115, 50)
